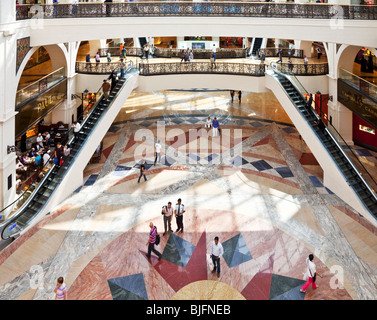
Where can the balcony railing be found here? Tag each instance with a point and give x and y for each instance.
(221, 53)
(300, 69)
(247, 69)
(115, 51)
(98, 67)
(287, 52)
(207, 8)
(205, 67)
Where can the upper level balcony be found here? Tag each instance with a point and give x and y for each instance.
(343, 24)
(190, 8)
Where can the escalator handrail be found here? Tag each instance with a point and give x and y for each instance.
(322, 114)
(329, 133)
(8, 222)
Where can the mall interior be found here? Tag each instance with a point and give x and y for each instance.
(291, 172)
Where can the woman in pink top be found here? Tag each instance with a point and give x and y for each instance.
(60, 289)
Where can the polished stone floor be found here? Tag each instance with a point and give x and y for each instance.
(257, 187)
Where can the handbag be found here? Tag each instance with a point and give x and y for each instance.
(61, 161)
(162, 211)
(315, 274)
(157, 240)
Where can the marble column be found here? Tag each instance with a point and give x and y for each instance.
(8, 88)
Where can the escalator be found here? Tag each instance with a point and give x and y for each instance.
(143, 41)
(43, 192)
(257, 45)
(334, 147)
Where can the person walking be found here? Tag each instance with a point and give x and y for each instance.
(217, 251)
(106, 87)
(239, 96)
(232, 95)
(114, 79)
(122, 66)
(97, 58)
(60, 290)
(108, 7)
(167, 212)
(178, 212)
(108, 56)
(146, 51)
(263, 57)
(158, 152)
(319, 53)
(310, 102)
(152, 241)
(280, 55)
(183, 55)
(215, 126)
(311, 274)
(142, 172)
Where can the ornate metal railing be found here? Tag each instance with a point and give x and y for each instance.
(247, 69)
(98, 68)
(206, 8)
(315, 69)
(221, 53)
(287, 52)
(115, 51)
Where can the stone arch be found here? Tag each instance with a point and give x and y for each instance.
(58, 55)
(346, 57)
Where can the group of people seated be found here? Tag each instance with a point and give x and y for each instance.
(38, 157)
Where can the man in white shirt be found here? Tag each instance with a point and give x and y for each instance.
(40, 140)
(76, 128)
(167, 212)
(217, 251)
(158, 152)
(178, 212)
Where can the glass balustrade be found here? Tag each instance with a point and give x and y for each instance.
(39, 86)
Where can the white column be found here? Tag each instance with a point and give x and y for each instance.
(8, 87)
(341, 116)
(68, 108)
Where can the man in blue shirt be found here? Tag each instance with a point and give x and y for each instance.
(216, 126)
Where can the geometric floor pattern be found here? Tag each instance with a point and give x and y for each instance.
(236, 251)
(128, 288)
(268, 211)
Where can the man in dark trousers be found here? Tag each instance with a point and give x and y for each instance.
(108, 7)
(309, 103)
(217, 251)
(142, 172)
(239, 96)
(152, 241)
(232, 94)
(280, 55)
(178, 212)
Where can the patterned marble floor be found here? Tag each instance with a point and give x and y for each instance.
(262, 196)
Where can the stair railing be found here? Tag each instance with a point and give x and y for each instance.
(360, 169)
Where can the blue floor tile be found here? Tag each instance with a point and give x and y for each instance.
(261, 165)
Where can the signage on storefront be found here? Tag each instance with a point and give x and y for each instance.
(359, 103)
(31, 113)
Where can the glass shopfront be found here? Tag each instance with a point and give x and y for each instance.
(33, 111)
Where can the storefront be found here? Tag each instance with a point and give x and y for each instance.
(364, 134)
(33, 111)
